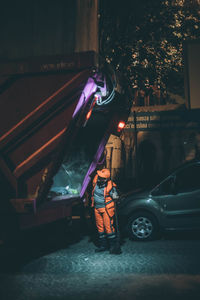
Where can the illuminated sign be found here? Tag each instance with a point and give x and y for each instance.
(164, 120)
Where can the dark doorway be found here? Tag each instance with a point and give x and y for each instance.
(146, 163)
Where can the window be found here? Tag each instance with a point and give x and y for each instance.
(188, 179)
(165, 188)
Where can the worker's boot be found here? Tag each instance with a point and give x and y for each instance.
(115, 246)
(102, 245)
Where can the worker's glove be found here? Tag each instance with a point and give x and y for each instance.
(115, 195)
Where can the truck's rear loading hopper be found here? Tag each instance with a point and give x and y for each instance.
(48, 147)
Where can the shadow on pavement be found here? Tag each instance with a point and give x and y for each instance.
(38, 242)
(182, 235)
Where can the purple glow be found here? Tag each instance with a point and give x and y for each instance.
(89, 89)
(93, 164)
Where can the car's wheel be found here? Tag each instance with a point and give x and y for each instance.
(143, 226)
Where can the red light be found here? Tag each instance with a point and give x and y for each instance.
(96, 97)
(88, 114)
(91, 108)
(121, 125)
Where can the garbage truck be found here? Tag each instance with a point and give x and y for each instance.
(55, 120)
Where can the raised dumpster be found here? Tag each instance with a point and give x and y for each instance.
(54, 125)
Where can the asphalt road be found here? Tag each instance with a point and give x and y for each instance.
(52, 263)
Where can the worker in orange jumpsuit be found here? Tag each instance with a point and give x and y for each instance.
(104, 210)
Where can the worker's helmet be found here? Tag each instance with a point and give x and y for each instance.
(104, 173)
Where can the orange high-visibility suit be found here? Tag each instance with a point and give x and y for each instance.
(104, 215)
(104, 209)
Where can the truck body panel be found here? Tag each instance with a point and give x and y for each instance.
(53, 135)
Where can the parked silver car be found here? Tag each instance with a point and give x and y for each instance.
(174, 204)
